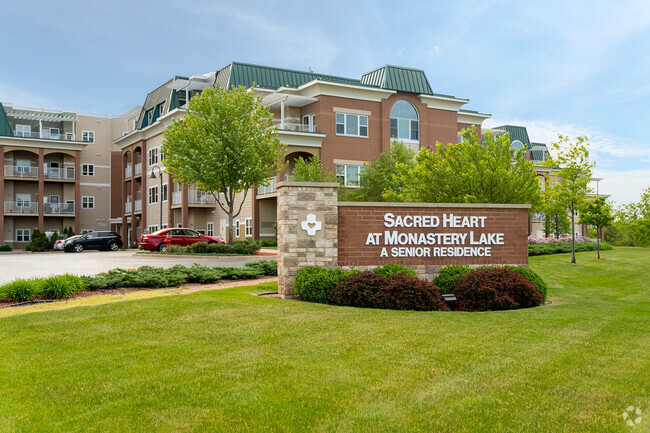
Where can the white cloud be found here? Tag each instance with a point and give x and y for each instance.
(625, 186)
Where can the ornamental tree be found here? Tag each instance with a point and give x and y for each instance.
(225, 144)
(469, 172)
(597, 213)
(568, 184)
(633, 222)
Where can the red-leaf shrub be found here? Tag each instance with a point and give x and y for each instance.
(404, 292)
(495, 289)
(358, 290)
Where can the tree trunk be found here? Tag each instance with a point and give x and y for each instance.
(231, 229)
(598, 241)
(573, 236)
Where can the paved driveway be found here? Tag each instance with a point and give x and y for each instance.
(25, 265)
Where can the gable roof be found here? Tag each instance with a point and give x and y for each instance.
(516, 133)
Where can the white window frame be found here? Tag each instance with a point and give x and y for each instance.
(88, 202)
(237, 229)
(23, 130)
(410, 125)
(209, 230)
(88, 136)
(163, 226)
(150, 195)
(342, 174)
(152, 228)
(25, 235)
(88, 169)
(20, 198)
(248, 227)
(150, 116)
(162, 107)
(152, 155)
(164, 190)
(345, 124)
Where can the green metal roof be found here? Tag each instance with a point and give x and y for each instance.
(161, 94)
(537, 145)
(538, 155)
(5, 126)
(516, 133)
(399, 78)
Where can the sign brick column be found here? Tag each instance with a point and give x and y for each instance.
(307, 229)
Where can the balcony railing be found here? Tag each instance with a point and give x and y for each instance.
(177, 197)
(66, 173)
(200, 197)
(21, 207)
(21, 171)
(299, 127)
(270, 188)
(65, 136)
(59, 208)
(137, 169)
(138, 205)
(127, 207)
(127, 171)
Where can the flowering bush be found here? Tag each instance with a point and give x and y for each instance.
(534, 241)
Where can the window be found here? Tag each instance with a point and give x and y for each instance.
(23, 131)
(163, 226)
(88, 202)
(23, 166)
(309, 123)
(237, 229)
(210, 229)
(351, 124)
(149, 117)
(50, 133)
(163, 192)
(88, 136)
(404, 124)
(84, 231)
(248, 228)
(153, 156)
(153, 228)
(153, 194)
(87, 169)
(160, 107)
(22, 235)
(23, 200)
(349, 175)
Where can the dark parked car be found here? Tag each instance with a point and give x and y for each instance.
(93, 241)
(161, 239)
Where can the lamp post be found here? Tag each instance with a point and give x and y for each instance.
(153, 176)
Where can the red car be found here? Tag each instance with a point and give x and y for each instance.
(160, 240)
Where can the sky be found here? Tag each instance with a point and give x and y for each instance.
(576, 68)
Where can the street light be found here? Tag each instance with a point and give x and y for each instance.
(153, 176)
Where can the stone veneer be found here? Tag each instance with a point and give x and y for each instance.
(296, 248)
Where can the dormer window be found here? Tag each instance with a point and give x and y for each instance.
(404, 122)
(160, 107)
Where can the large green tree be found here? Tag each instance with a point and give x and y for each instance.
(597, 213)
(469, 172)
(569, 181)
(225, 144)
(632, 222)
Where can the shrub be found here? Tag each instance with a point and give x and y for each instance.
(39, 242)
(564, 247)
(62, 286)
(268, 243)
(265, 267)
(316, 284)
(533, 277)
(52, 241)
(358, 289)
(448, 276)
(21, 290)
(390, 268)
(5, 247)
(495, 289)
(176, 249)
(198, 248)
(405, 292)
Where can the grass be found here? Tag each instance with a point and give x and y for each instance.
(228, 361)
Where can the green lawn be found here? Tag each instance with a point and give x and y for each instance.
(228, 361)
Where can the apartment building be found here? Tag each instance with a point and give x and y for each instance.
(344, 121)
(57, 170)
(537, 153)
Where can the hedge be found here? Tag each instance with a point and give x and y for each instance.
(565, 247)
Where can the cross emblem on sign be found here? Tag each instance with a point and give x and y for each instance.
(311, 225)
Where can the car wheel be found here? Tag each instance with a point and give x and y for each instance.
(162, 247)
(113, 246)
(78, 248)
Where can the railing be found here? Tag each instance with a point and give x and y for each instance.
(127, 207)
(127, 171)
(21, 171)
(177, 197)
(270, 188)
(21, 207)
(59, 173)
(59, 208)
(65, 136)
(299, 127)
(200, 197)
(137, 169)
(138, 205)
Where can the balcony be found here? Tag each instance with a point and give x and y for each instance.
(200, 197)
(21, 207)
(177, 197)
(127, 171)
(127, 207)
(137, 169)
(45, 134)
(21, 171)
(59, 173)
(59, 209)
(269, 189)
(298, 127)
(138, 205)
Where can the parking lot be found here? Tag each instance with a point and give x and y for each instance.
(26, 265)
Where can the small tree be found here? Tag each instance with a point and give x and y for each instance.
(568, 186)
(311, 170)
(597, 213)
(632, 222)
(225, 144)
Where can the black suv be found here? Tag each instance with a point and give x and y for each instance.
(93, 241)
